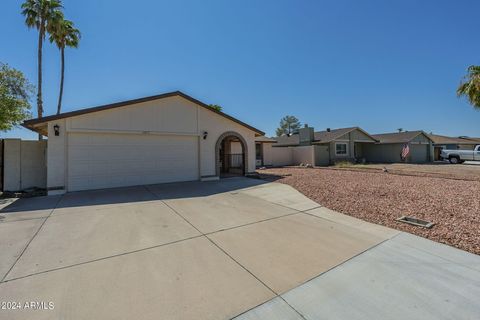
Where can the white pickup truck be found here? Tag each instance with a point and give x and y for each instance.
(460, 156)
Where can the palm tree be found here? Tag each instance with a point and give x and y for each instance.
(471, 87)
(41, 15)
(64, 34)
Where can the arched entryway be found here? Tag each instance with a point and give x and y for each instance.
(231, 155)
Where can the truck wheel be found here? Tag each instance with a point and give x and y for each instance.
(454, 160)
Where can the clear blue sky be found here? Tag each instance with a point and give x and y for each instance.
(378, 64)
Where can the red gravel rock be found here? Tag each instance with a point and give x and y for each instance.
(377, 197)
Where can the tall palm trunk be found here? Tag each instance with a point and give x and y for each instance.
(59, 107)
(39, 92)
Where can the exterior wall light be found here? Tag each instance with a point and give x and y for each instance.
(56, 129)
(205, 134)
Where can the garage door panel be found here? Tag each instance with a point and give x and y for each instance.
(115, 160)
(419, 153)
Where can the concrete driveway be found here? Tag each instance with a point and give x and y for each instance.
(219, 250)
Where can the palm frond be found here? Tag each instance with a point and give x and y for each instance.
(470, 87)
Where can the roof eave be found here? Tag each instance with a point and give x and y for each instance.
(30, 123)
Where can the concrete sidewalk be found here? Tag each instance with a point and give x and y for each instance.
(406, 277)
(217, 250)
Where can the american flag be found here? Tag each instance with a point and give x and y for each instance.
(405, 151)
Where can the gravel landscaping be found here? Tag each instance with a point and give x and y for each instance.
(381, 197)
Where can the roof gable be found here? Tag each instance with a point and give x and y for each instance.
(321, 136)
(399, 137)
(328, 136)
(33, 123)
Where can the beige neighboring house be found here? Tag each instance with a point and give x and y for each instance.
(390, 145)
(321, 148)
(452, 143)
(165, 138)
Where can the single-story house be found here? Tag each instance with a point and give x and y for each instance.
(164, 138)
(389, 147)
(444, 142)
(322, 147)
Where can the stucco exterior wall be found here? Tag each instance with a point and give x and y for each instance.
(216, 125)
(56, 158)
(282, 156)
(267, 154)
(322, 155)
(24, 164)
(303, 154)
(11, 162)
(170, 116)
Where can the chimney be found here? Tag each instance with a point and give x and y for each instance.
(328, 129)
(305, 135)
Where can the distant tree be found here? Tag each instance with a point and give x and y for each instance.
(215, 106)
(15, 91)
(64, 34)
(288, 125)
(40, 14)
(470, 88)
(400, 130)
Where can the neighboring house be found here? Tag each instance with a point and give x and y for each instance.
(390, 145)
(444, 142)
(323, 147)
(344, 143)
(164, 138)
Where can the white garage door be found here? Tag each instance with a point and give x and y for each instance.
(97, 160)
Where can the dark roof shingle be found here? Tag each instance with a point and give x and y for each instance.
(439, 139)
(397, 137)
(319, 137)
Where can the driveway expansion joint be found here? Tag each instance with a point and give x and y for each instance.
(27, 219)
(228, 255)
(201, 234)
(102, 258)
(343, 262)
(30, 241)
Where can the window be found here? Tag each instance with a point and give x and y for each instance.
(341, 149)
